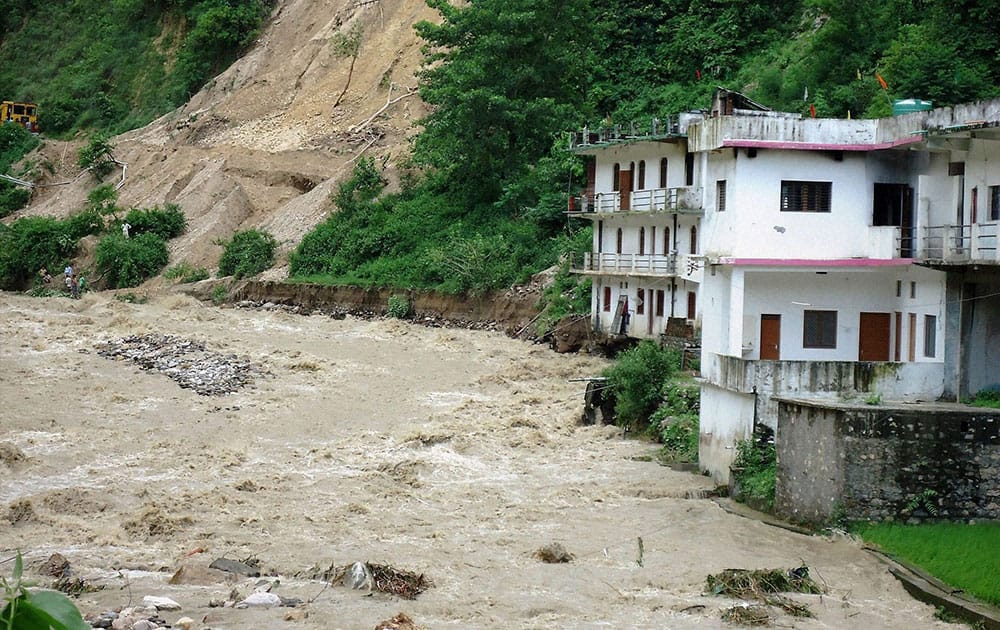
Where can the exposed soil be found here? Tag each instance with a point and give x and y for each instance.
(452, 454)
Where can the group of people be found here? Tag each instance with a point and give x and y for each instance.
(74, 284)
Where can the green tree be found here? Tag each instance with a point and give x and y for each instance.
(503, 78)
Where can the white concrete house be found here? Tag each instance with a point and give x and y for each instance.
(820, 258)
(646, 208)
(826, 273)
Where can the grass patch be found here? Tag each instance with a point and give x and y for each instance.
(962, 555)
(986, 398)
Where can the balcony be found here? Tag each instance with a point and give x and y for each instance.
(951, 244)
(682, 199)
(655, 129)
(674, 265)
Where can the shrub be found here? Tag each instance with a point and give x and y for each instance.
(638, 379)
(167, 223)
(31, 243)
(675, 422)
(12, 198)
(399, 307)
(128, 262)
(247, 254)
(186, 272)
(986, 398)
(15, 143)
(85, 223)
(755, 471)
(219, 294)
(96, 156)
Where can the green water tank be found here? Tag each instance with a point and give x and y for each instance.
(910, 105)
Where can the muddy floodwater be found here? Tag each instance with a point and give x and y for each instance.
(456, 454)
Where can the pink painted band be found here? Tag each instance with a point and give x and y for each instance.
(820, 146)
(816, 262)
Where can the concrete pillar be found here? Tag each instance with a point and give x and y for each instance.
(734, 347)
(953, 336)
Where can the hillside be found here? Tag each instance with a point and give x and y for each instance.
(262, 145)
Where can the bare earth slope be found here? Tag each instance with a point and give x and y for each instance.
(452, 453)
(262, 144)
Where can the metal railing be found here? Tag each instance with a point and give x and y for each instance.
(677, 199)
(609, 134)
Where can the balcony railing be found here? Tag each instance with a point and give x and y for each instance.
(977, 242)
(686, 266)
(678, 199)
(610, 134)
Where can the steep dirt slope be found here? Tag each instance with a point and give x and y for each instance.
(262, 144)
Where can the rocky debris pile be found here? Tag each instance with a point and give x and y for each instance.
(185, 361)
(553, 553)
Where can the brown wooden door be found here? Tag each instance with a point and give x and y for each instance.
(625, 190)
(770, 337)
(874, 336)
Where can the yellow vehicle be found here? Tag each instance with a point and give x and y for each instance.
(24, 114)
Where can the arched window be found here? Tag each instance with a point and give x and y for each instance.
(663, 172)
(694, 240)
(614, 176)
(618, 243)
(642, 175)
(667, 248)
(642, 241)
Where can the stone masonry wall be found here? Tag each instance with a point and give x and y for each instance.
(886, 462)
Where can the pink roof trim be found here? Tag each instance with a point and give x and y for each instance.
(816, 262)
(820, 146)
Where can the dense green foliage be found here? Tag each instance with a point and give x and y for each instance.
(33, 243)
(15, 143)
(167, 222)
(127, 262)
(117, 65)
(675, 421)
(755, 470)
(248, 253)
(965, 556)
(637, 380)
(417, 238)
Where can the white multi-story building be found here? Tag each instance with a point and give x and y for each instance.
(646, 208)
(834, 258)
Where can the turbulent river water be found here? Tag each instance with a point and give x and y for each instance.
(452, 453)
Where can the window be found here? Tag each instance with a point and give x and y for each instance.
(930, 335)
(689, 169)
(805, 196)
(666, 241)
(615, 174)
(913, 290)
(652, 241)
(994, 203)
(607, 299)
(618, 242)
(642, 241)
(694, 239)
(899, 288)
(659, 302)
(720, 195)
(640, 302)
(819, 329)
(663, 172)
(642, 175)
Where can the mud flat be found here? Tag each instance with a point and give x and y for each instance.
(451, 453)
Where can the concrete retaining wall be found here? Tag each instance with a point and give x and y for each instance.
(885, 462)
